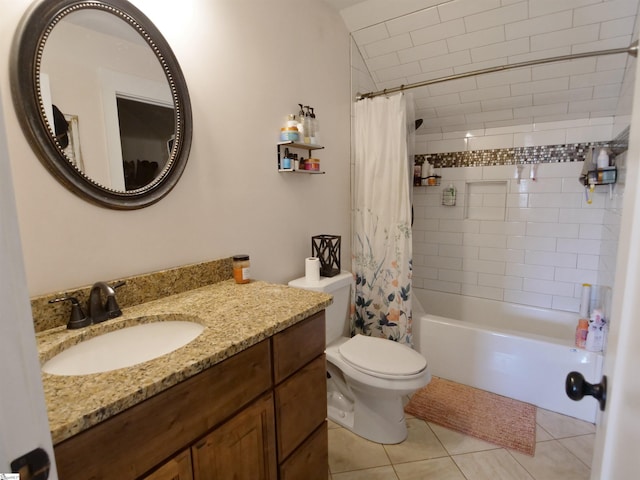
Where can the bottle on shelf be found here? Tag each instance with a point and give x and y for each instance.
(301, 122)
(286, 160)
(597, 330)
(315, 128)
(581, 333)
(603, 159)
(308, 128)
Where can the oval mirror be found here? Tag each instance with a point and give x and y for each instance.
(102, 99)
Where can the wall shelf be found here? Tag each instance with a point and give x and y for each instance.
(300, 146)
(431, 181)
(601, 176)
(307, 172)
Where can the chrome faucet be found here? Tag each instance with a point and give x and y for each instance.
(99, 311)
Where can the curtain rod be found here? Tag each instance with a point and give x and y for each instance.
(631, 50)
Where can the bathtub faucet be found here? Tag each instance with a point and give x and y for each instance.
(99, 311)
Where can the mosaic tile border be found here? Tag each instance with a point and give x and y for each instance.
(571, 152)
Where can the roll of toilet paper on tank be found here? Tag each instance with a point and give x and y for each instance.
(312, 270)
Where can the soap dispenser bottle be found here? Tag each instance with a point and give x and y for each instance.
(308, 128)
(315, 127)
(301, 123)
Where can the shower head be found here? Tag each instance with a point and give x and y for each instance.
(418, 123)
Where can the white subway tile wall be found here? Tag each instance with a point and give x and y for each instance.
(413, 41)
(580, 130)
(531, 264)
(546, 243)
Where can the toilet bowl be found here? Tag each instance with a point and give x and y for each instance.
(367, 377)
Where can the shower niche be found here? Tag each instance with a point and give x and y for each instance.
(486, 200)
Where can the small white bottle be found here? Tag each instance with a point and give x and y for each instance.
(603, 159)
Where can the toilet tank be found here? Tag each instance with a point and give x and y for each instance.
(338, 313)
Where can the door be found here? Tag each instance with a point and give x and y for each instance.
(23, 415)
(618, 433)
(178, 468)
(243, 447)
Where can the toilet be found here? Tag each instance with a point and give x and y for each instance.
(367, 377)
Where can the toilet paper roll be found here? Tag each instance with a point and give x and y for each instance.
(312, 270)
(585, 300)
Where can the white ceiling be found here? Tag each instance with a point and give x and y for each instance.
(408, 41)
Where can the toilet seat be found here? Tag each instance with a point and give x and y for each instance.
(382, 358)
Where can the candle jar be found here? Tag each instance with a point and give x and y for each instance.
(241, 266)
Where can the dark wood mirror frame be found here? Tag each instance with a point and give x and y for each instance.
(26, 58)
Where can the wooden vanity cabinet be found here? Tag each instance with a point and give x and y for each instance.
(178, 468)
(260, 414)
(301, 400)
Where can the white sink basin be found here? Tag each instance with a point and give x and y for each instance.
(123, 348)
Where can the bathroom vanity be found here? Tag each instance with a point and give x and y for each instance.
(245, 399)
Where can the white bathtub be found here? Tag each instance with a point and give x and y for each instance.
(513, 350)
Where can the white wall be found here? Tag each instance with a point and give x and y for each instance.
(526, 135)
(528, 242)
(551, 240)
(247, 65)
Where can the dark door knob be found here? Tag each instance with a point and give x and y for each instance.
(577, 387)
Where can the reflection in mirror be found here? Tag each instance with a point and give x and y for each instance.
(104, 100)
(91, 59)
(145, 132)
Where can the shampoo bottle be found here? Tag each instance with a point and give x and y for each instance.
(596, 331)
(581, 332)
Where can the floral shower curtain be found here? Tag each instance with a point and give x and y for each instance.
(382, 250)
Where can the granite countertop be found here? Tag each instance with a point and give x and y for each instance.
(235, 317)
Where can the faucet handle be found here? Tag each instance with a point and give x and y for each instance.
(111, 306)
(77, 319)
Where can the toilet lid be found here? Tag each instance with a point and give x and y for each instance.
(379, 355)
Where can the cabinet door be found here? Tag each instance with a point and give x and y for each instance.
(243, 447)
(178, 468)
(301, 405)
(298, 345)
(310, 461)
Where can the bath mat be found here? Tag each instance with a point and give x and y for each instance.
(496, 419)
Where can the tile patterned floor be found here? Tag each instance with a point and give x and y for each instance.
(564, 447)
